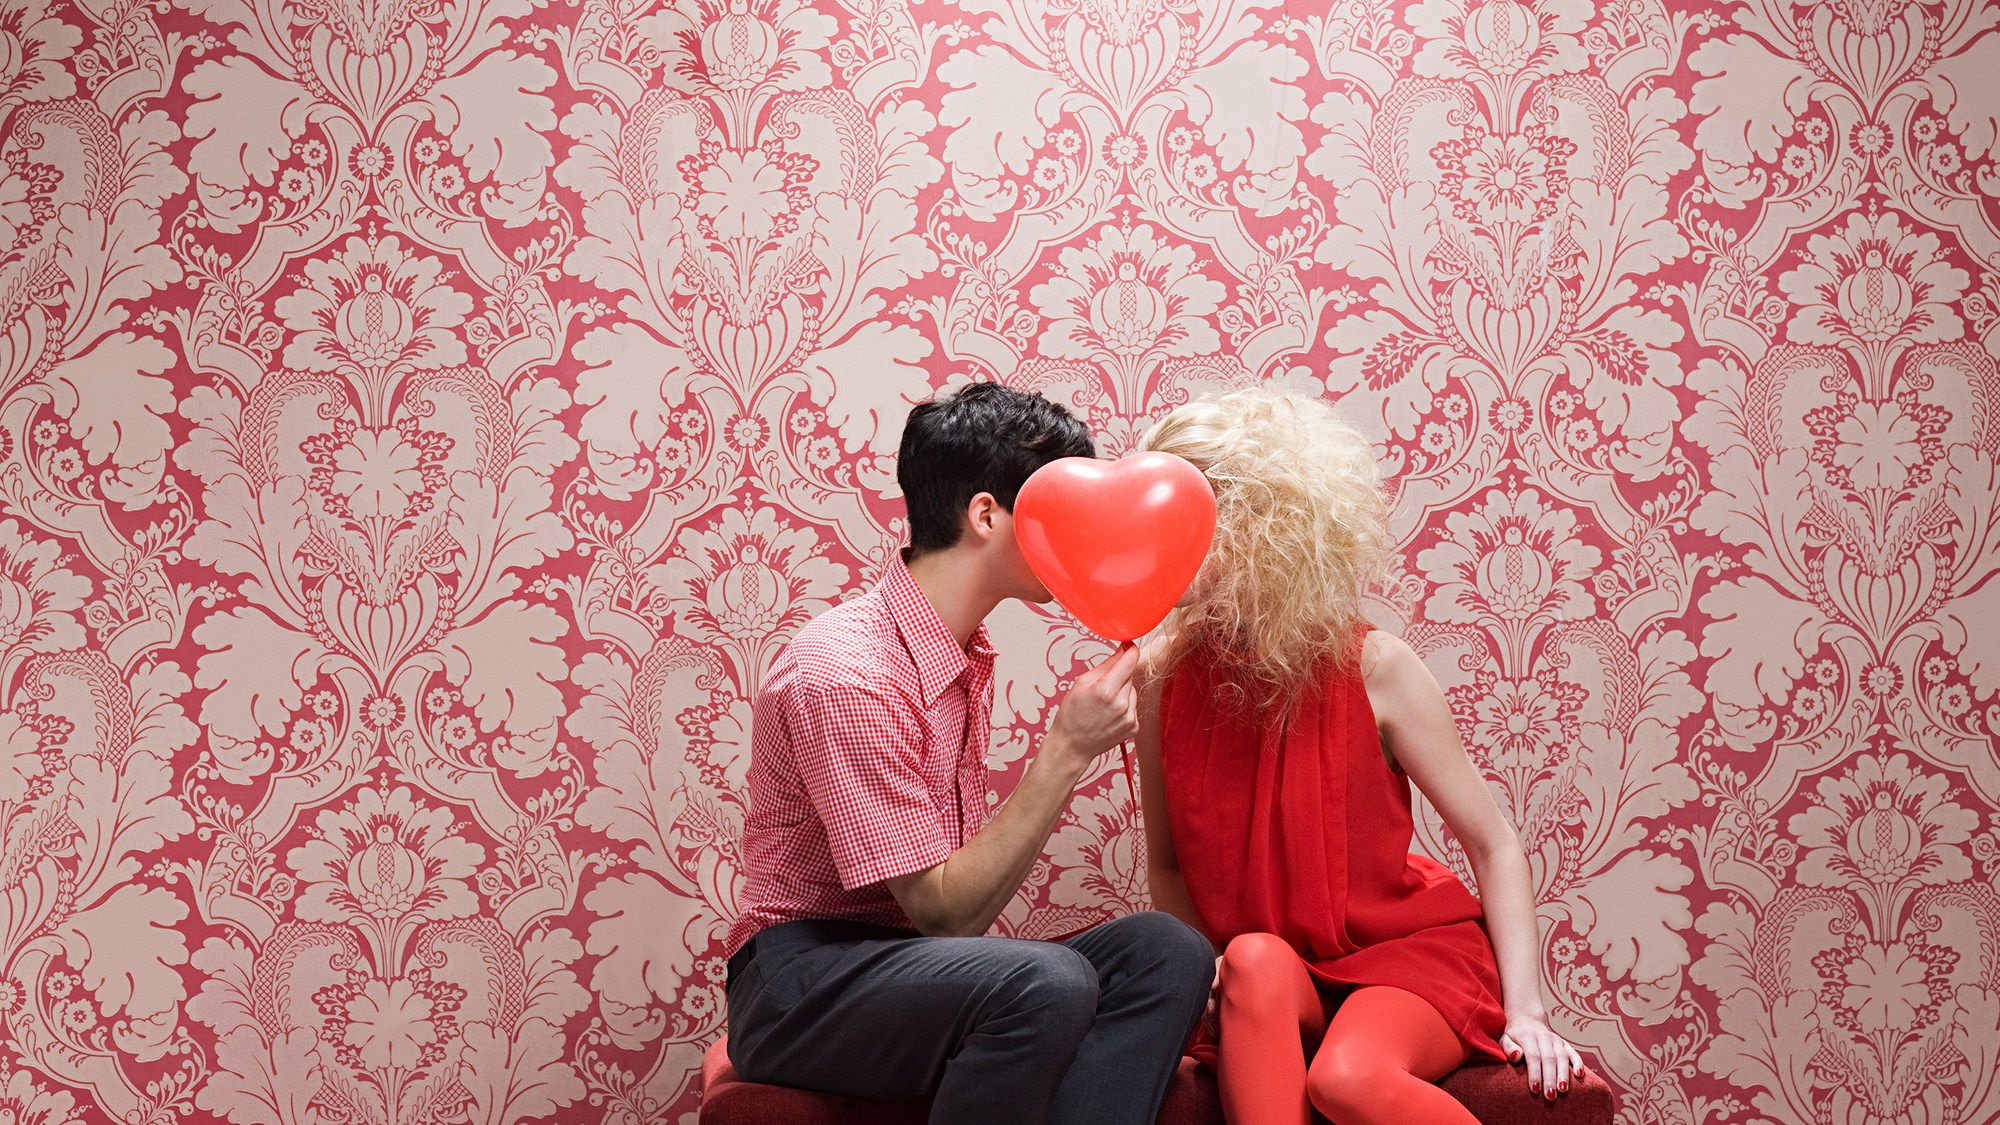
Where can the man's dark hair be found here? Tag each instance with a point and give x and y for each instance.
(983, 438)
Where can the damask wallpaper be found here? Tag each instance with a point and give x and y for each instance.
(424, 419)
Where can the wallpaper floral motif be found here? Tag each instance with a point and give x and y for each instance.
(424, 419)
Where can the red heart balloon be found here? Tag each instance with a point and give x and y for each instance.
(1117, 542)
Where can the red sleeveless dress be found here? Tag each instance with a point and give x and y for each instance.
(1302, 829)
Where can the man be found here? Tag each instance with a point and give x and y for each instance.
(856, 965)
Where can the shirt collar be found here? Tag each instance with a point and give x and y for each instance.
(940, 662)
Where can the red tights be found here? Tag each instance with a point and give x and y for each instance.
(1375, 1061)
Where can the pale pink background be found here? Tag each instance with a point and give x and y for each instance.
(424, 419)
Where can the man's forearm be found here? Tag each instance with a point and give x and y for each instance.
(961, 896)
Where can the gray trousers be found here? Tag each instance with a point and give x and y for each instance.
(1086, 1030)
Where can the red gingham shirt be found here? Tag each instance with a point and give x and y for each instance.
(867, 759)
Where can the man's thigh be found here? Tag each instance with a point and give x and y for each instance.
(878, 1017)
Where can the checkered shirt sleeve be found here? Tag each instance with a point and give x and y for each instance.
(858, 752)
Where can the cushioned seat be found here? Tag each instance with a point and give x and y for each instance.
(1497, 1095)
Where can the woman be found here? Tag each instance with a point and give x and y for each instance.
(1278, 739)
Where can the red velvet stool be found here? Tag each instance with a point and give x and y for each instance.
(1496, 1094)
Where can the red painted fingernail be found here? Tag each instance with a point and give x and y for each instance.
(1564, 1088)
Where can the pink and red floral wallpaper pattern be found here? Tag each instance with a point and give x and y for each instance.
(423, 420)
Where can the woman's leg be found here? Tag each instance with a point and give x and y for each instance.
(1270, 1009)
(1384, 1049)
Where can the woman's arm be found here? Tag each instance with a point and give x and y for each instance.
(1163, 868)
(1421, 738)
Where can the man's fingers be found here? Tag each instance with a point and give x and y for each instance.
(1118, 670)
(1113, 672)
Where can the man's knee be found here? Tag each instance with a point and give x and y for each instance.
(1051, 982)
(1177, 940)
(1175, 955)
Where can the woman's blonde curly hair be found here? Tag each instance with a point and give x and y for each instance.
(1301, 533)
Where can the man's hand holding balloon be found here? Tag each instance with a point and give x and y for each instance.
(1117, 543)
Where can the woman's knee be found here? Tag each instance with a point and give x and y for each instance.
(1343, 1087)
(1257, 968)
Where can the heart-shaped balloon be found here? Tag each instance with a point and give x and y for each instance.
(1117, 542)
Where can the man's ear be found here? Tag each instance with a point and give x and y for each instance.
(982, 515)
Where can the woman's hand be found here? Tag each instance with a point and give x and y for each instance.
(1551, 1060)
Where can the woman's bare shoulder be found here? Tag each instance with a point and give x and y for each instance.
(1386, 658)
